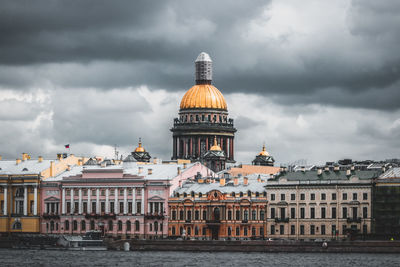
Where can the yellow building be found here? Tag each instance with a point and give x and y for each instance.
(20, 190)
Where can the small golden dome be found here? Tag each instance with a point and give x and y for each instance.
(203, 96)
(215, 147)
(140, 148)
(263, 152)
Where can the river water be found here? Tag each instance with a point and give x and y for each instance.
(10, 257)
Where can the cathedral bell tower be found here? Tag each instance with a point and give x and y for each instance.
(203, 115)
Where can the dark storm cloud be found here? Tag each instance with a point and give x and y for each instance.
(116, 44)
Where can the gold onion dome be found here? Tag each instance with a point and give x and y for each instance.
(140, 148)
(215, 147)
(203, 96)
(263, 152)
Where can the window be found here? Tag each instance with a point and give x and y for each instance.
(76, 208)
(302, 196)
(66, 225)
(323, 229)
(110, 225)
(173, 230)
(282, 229)
(272, 213)
(365, 212)
(138, 192)
(237, 215)
(312, 196)
(229, 215)
(68, 207)
(261, 231)
(130, 192)
(354, 196)
(130, 207)
(272, 196)
(262, 215)
(365, 229)
(204, 215)
(197, 215)
(94, 207)
(246, 215)
(292, 197)
(173, 215)
(189, 215)
(292, 230)
(254, 215)
(333, 229)
(151, 227)
(344, 227)
(112, 192)
(249, 193)
(233, 194)
(237, 231)
(365, 196)
(282, 197)
(93, 192)
(333, 196)
(139, 207)
(253, 231)
(302, 213)
(103, 206)
(83, 225)
(112, 207)
(75, 225)
(156, 226)
(323, 212)
(85, 192)
(312, 229)
(283, 213)
(355, 212)
(137, 226)
(312, 213)
(103, 192)
(92, 225)
(181, 215)
(272, 229)
(333, 212)
(292, 213)
(121, 207)
(344, 211)
(323, 196)
(17, 226)
(119, 225)
(301, 229)
(245, 231)
(121, 192)
(265, 194)
(344, 196)
(196, 231)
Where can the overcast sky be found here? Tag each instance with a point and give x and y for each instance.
(314, 80)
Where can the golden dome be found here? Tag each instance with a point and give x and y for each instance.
(203, 96)
(140, 148)
(215, 147)
(263, 152)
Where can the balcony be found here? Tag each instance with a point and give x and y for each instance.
(213, 221)
(100, 216)
(157, 216)
(354, 220)
(281, 220)
(245, 221)
(50, 216)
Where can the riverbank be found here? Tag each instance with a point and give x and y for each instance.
(259, 246)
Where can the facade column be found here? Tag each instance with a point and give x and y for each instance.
(72, 201)
(89, 204)
(80, 201)
(228, 155)
(125, 201)
(198, 148)
(174, 148)
(184, 149)
(116, 204)
(35, 202)
(148, 207)
(207, 148)
(134, 211)
(98, 201)
(177, 148)
(5, 200)
(25, 200)
(107, 201)
(142, 204)
(191, 146)
(63, 201)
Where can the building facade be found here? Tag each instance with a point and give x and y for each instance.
(203, 115)
(20, 190)
(228, 209)
(129, 200)
(320, 204)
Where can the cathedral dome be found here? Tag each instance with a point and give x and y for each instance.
(263, 152)
(215, 147)
(140, 148)
(203, 96)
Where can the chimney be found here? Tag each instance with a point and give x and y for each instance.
(25, 156)
(52, 168)
(59, 156)
(352, 168)
(222, 181)
(200, 181)
(336, 168)
(235, 181)
(149, 171)
(40, 159)
(80, 162)
(383, 167)
(259, 179)
(245, 181)
(303, 168)
(184, 165)
(348, 172)
(327, 168)
(179, 170)
(18, 161)
(319, 171)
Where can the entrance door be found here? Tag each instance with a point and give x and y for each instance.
(214, 232)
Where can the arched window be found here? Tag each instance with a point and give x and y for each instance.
(75, 225)
(173, 215)
(229, 215)
(137, 226)
(83, 225)
(184, 195)
(51, 225)
(241, 194)
(237, 215)
(17, 226)
(151, 227)
(245, 231)
(92, 225)
(56, 226)
(257, 194)
(264, 193)
(246, 215)
(216, 214)
(254, 215)
(173, 230)
(233, 194)
(200, 194)
(110, 225)
(189, 230)
(155, 226)
(192, 194)
(128, 226)
(204, 215)
(181, 230)
(253, 231)
(249, 193)
(229, 231)
(262, 215)
(189, 215)
(196, 230)
(181, 215)
(119, 225)
(237, 231)
(196, 215)
(66, 225)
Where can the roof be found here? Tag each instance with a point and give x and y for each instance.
(30, 166)
(252, 169)
(391, 173)
(203, 56)
(203, 96)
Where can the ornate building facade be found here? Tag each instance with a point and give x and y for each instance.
(203, 115)
(231, 209)
(264, 158)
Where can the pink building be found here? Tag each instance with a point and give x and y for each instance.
(127, 200)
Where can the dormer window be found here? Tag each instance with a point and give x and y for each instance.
(25, 169)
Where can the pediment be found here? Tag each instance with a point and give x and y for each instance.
(51, 199)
